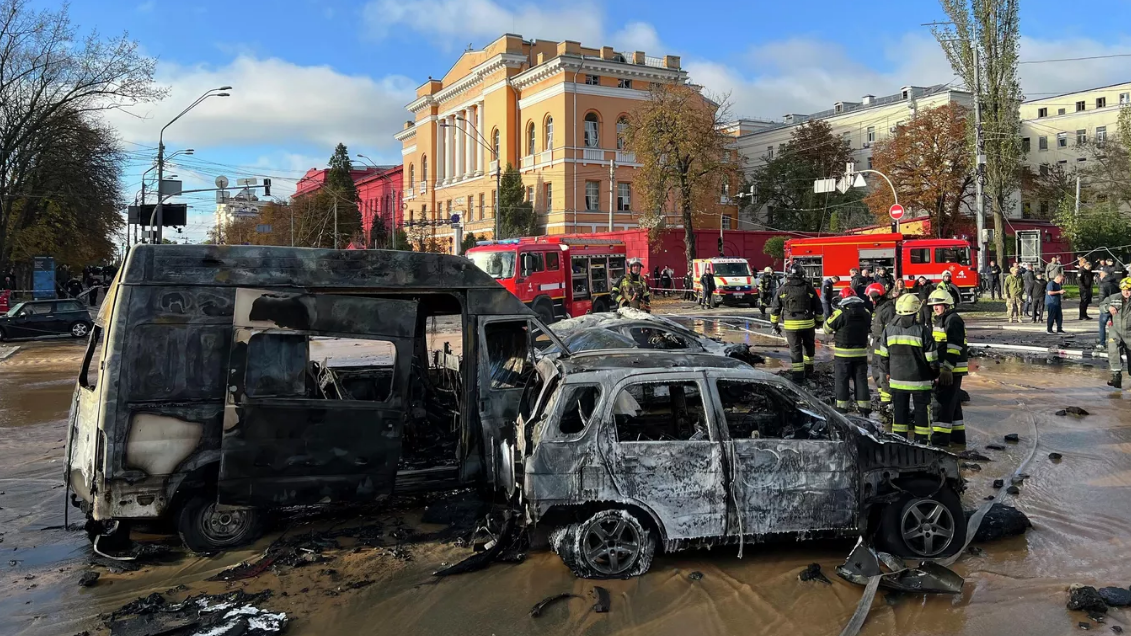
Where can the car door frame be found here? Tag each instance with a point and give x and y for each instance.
(773, 483)
(38, 325)
(282, 450)
(660, 494)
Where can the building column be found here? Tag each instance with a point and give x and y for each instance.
(484, 155)
(473, 143)
(449, 148)
(438, 159)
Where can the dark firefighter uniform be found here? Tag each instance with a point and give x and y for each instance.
(849, 326)
(797, 309)
(908, 354)
(882, 317)
(950, 339)
(633, 292)
(1119, 336)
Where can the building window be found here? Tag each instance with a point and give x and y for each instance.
(624, 83)
(482, 211)
(530, 194)
(871, 134)
(869, 162)
(1081, 137)
(1101, 102)
(1124, 99)
(530, 138)
(592, 195)
(1101, 134)
(424, 168)
(847, 138)
(1044, 208)
(592, 128)
(769, 153)
(593, 80)
(411, 175)
(493, 203)
(624, 197)
(1044, 170)
(1027, 209)
(1060, 111)
(1042, 143)
(1042, 112)
(726, 221)
(1062, 140)
(1080, 106)
(1025, 145)
(622, 130)
(495, 143)
(1062, 162)
(549, 133)
(548, 197)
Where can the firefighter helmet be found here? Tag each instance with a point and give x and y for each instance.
(907, 305)
(768, 270)
(635, 262)
(846, 292)
(796, 271)
(940, 297)
(1125, 283)
(875, 290)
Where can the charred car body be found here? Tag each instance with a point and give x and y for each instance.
(623, 452)
(221, 381)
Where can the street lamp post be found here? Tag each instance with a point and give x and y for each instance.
(156, 216)
(479, 139)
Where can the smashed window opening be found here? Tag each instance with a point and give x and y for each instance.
(659, 412)
(653, 338)
(436, 391)
(507, 353)
(757, 411)
(91, 360)
(579, 404)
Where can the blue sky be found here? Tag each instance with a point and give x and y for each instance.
(307, 74)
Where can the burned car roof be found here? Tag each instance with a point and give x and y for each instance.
(638, 361)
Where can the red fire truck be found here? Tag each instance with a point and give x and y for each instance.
(903, 258)
(556, 276)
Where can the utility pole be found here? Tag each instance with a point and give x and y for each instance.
(1077, 213)
(612, 190)
(979, 155)
(335, 222)
(292, 207)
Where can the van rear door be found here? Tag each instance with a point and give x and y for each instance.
(298, 429)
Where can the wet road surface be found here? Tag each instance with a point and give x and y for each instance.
(1080, 508)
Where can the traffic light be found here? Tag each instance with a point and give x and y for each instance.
(721, 246)
(266, 187)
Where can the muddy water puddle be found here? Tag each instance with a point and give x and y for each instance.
(1080, 507)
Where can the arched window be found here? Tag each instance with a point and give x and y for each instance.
(411, 175)
(622, 128)
(530, 139)
(424, 168)
(549, 136)
(495, 142)
(592, 130)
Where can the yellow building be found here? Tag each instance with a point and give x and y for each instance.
(555, 110)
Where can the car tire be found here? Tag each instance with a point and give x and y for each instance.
(599, 306)
(80, 329)
(204, 529)
(915, 525)
(3, 336)
(545, 310)
(611, 544)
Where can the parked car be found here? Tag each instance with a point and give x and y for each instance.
(628, 328)
(37, 318)
(621, 453)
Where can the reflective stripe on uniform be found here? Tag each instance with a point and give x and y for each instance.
(774, 319)
(882, 351)
(914, 341)
(885, 396)
(932, 356)
(947, 365)
(899, 428)
(808, 360)
(939, 334)
(850, 353)
(953, 349)
(941, 427)
(863, 404)
(923, 430)
(798, 325)
(797, 366)
(910, 385)
(958, 425)
(962, 368)
(842, 404)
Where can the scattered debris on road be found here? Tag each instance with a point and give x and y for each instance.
(1116, 596)
(541, 605)
(997, 447)
(998, 483)
(973, 455)
(695, 576)
(1013, 490)
(604, 601)
(1055, 456)
(999, 522)
(1085, 598)
(812, 572)
(969, 466)
(1012, 437)
(1072, 410)
(202, 615)
(88, 579)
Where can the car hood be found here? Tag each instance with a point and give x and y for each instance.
(624, 315)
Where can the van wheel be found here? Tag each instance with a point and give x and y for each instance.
(203, 528)
(545, 310)
(611, 544)
(921, 525)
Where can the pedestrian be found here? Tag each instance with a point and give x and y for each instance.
(797, 308)
(849, 326)
(1118, 306)
(1028, 279)
(860, 281)
(707, 289)
(1037, 293)
(1109, 266)
(995, 279)
(688, 293)
(884, 278)
(897, 290)
(666, 280)
(1054, 291)
(1085, 278)
(9, 283)
(923, 290)
(1053, 268)
(881, 317)
(908, 355)
(827, 291)
(949, 332)
(1109, 286)
(1014, 293)
(949, 287)
(633, 288)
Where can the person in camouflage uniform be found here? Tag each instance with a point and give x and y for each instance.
(633, 289)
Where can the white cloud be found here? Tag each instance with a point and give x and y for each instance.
(638, 36)
(1044, 80)
(275, 103)
(146, 6)
(451, 23)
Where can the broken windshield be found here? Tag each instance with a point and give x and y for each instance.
(732, 269)
(495, 264)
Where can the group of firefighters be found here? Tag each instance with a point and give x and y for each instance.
(912, 353)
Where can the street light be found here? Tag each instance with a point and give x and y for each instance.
(479, 139)
(187, 151)
(161, 153)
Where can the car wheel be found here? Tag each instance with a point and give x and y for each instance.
(203, 528)
(599, 306)
(80, 329)
(545, 310)
(923, 523)
(611, 544)
(3, 336)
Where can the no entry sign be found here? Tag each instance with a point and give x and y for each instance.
(896, 212)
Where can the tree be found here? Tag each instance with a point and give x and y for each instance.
(684, 155)
(996, 24)
(929, 164)
(784, 184)
(516, 214)
(51, 76)
(775, 248)
(340, 189)
(1100, 225)
(468, 242)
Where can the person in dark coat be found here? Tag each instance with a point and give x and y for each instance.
(1028, 278)
(1086, 278)
(1037, 293)
(923, 289)
(994, 282)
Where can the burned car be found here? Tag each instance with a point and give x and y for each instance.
(628, 328)
(622, 453)
(223, 381)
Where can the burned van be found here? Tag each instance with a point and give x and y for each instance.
(221, 381)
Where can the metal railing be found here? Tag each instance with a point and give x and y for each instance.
(626, 157)
(593, 154)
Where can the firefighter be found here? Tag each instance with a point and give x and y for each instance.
(1118, 306)
(797, 307)
(908, 355)
(950, 341)
(633, 289)
(881, 317)
(946, 285)
(849, 326)
(768, 286)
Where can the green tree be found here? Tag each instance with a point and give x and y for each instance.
(468, 242)
(775, 248)
(1099, 225)
(996, 25)
(342, 191)
(516, 214)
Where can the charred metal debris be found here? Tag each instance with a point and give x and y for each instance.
(200, 615)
